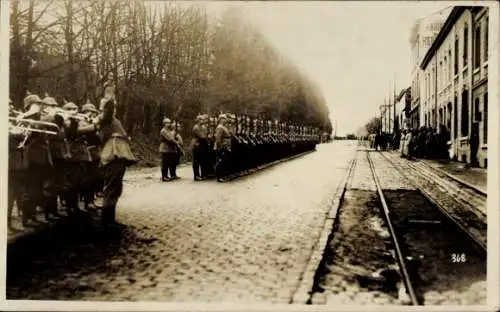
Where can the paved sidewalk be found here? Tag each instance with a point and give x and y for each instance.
(476, 177)
(462, 173)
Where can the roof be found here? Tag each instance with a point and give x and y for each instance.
(448, 24)
(402, 93)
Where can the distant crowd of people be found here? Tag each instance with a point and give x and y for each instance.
(425, 142)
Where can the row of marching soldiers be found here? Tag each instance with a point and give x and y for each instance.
(65, 157)
(231, 145)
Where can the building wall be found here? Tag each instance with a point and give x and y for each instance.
(423, 35)
(480, 82)
(451, 95)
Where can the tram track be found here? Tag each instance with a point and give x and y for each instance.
(465, 192)
(457, 195)
(350, 273)
(421, 228)
(400, 257)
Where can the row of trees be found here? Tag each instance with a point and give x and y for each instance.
(167, 60)
(374, 125)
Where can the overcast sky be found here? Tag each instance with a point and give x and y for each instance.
(353, 50)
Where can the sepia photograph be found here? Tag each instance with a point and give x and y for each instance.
(282, 154)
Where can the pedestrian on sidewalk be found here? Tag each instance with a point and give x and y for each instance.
(409, 144)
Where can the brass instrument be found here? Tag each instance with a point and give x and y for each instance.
(67, 115)
(27, 126)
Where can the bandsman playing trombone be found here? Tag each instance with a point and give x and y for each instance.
(34, 178)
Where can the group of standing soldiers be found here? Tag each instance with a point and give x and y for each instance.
(65, 156)
(230, 145)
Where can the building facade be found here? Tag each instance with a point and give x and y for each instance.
(403, 106)
(423, 33)
(453, 86)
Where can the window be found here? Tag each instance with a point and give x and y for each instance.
(477, 47)
(455, 118)
(445, 70)
(449, 65)
(448, 117)
(440, 73)
(466, 44)
(456, 57)
(486, 40)
(477, 110)
(485, 118)
(464, 122)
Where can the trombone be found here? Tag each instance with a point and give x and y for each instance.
(67, 115)
(28, 126)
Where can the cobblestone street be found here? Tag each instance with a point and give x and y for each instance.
(247, 240)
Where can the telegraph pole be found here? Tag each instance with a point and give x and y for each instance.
(394, 112)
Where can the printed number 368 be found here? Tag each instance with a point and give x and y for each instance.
(458, 258)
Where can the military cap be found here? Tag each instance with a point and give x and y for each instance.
(166, 121)
(31, 99)
(49, 101)
(199, 118)
(70, 106)
(222, 116)
(89, 107)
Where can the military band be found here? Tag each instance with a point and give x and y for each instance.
(60, 154)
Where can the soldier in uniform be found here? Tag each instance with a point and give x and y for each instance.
(222, 148)
(166, 151)
(76, 165)
(93, 181)
(211, 158)
(240, 145)
(179, 149)
(116, 156)
(18, 168)
(199, 145)
(35, 188)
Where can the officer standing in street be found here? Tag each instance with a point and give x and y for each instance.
(166, 148)
(116, 156)
(199, 145)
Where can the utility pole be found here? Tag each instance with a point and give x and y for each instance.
(385, 114)
(394, 112)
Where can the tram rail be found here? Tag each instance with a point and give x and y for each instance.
(481, 245)
(400, 257)
(398, 231)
